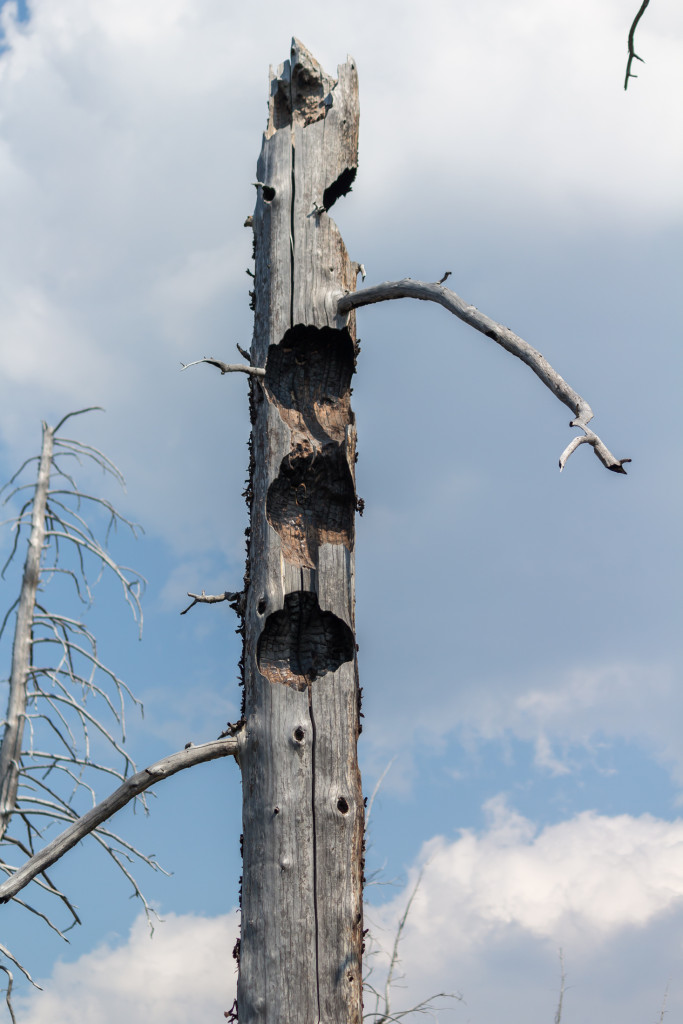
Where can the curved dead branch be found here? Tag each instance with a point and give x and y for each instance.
(503, 336)
(132, 787)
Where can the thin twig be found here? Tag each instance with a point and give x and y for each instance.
(393, 963)
(376, 790)
(563, 981)
(76, 449)
(426, 1006)
(5, 952)
(79, 412)
(8, 997)
(663, 1010)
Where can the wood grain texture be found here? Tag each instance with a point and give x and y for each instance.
(303, 816)
(15, 718)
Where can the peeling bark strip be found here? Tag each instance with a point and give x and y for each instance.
(300, 949)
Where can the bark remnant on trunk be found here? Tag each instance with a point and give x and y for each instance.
(301, 938)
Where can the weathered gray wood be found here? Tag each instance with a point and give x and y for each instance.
(407, 288)
(10, 750)
(301, 939)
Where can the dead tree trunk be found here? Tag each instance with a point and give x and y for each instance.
(301, 939)
(303, 815)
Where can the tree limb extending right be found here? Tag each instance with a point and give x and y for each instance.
(503, 336)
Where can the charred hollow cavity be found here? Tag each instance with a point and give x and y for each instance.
(312, 502)
(302, 642)
(308, 378)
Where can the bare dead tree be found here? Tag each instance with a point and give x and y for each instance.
(632, 55)
(65, 706)
(383, 1011)
(663, 1010)
(563, 989)
(300, 950)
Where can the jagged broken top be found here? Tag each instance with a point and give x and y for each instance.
(300, 90)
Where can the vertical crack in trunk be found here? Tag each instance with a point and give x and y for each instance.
(315, 849)
(300, 953)
(292, 236)
(292, 244)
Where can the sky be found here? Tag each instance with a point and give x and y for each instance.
(519, 635)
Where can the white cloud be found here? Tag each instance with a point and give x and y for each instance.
(184, 972)
(604, 889)
(579, 880)
(490, 913)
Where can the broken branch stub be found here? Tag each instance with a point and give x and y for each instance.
(251, 371)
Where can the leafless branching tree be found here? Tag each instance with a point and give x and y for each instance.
(563, 989)
(380, 995)
(65, 720)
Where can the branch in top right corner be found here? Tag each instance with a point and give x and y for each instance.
(632, 55)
